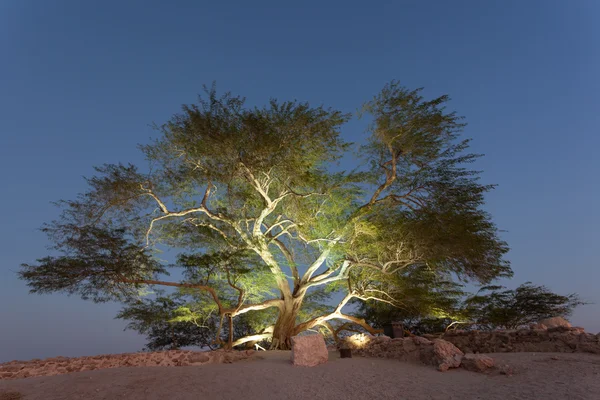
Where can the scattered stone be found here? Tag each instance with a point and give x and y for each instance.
(477, 362)
(309, 350)
(505, 369)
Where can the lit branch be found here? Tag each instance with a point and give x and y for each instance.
(337, 314)
(325, 277)
(319, 261)
(202, 209)
(161, 205)
(267, 334)
(261, 306)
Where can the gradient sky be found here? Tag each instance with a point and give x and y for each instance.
(81, 81)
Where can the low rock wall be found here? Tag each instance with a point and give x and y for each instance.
(559, 339)
(437, 352)
(62, 365)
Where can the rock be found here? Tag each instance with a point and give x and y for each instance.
(505, 369)
(559, 329)
(418, 340)
(538, 327)
(477, 362)
(554, 322)
(446, 355)
(198, 358)
(12, 367)
(10, 395)
(309, 350)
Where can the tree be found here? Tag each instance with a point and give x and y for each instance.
(157, 319)
(428, 303)
(169, 322)
(432, 304)
(227, 179)
(493, 308)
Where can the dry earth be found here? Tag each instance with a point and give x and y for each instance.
(271, 376)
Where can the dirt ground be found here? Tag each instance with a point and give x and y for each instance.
(270, 375)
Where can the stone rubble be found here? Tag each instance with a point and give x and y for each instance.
(171, 358)
(455, 349)
(557, 339)
(439, 353)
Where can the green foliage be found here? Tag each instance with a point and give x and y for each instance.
(438, 303)
(156, 318)
(493, 307)
(93, 264)
(265, 231)
(424, 302)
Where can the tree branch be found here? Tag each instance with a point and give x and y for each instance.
(290, 259)
(337, 314)
(319, 261)
(252, 338)
(208, 289)
(260, 306)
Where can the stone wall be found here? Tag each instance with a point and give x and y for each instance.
(559, 339)
(437, 352)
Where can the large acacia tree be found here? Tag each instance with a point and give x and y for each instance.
(249, 194)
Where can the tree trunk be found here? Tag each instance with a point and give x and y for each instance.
(284, 327)
(230, 339)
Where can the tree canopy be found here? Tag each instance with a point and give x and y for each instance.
(431, 304)
(248, 197)
(497, 307)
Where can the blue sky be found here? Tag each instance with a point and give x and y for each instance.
(81, 81)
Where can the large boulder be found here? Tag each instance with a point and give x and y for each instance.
(555, 322)
(445, 355)
(477, 362)
(309, 350)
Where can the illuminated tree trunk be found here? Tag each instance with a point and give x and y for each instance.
(285, 325)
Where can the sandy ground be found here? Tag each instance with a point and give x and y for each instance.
(271, 376)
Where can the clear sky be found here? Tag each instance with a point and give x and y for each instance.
(81, 81)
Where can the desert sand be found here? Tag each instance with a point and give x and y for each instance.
(270, 375)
